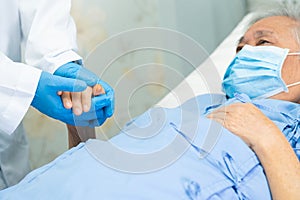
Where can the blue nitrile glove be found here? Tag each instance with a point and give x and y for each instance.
(96, 114)
(48, 102)
(103, 105)
(109, 93)
(75, 71)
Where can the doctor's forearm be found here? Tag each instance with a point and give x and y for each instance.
(281, 166)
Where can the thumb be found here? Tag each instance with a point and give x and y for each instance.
(69, 85)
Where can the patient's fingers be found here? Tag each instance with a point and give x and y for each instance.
(234, 117)
(66, 99)
(76, 101)
(218, 116)
(246, 121)
(86, 96)
(80, 101)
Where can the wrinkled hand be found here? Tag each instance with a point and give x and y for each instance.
(247, 122)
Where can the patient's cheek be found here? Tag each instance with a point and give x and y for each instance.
(290, 70)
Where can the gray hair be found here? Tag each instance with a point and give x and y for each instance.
(290, 10)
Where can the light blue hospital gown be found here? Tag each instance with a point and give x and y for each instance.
(229, 170)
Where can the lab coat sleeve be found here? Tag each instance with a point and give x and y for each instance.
(18, 83)
(49, 33)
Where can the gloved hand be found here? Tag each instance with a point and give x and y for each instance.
(48, 102)
(109, 93)
(95, 115)
(75, 71)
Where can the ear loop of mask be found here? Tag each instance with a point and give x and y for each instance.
(294, 54)
(293, 84)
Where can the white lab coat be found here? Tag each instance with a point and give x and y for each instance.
(48, 34)
(49, 37)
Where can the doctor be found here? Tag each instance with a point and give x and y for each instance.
(47, 32)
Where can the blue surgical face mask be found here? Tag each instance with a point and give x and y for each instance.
(256, 71)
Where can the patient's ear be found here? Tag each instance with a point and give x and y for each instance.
(77, 134)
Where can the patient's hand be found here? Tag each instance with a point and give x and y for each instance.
(277, 157)
(80, 101)
(247, 122)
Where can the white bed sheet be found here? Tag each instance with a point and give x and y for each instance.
(220, 58)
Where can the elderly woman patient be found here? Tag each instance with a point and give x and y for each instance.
(245, 145)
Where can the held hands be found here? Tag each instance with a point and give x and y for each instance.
(48, 102)
(247, 122)
(75, 81)
(82, 102)
(95, 97)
